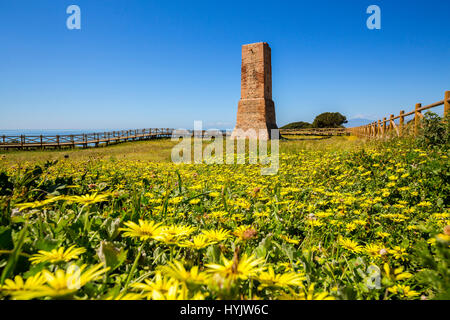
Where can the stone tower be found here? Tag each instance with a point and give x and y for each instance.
(256, 109)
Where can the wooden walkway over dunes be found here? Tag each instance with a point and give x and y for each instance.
(389, 127)
(25, 142)
(81, 140)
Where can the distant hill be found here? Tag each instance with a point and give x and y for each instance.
(355, 122)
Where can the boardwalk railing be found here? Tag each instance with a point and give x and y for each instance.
(388, 127)
(83, 140)
(92, 139)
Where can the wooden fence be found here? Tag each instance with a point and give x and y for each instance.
(388, 127)
(25, 142)
(316, 132)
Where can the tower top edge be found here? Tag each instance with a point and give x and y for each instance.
(255, 43)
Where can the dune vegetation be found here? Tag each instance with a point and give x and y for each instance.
(344, 218)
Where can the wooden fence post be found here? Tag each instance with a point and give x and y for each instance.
(446, 103)
(380, 130)
(402, 122)
(391, 123)
(416, 118)
(384, 126)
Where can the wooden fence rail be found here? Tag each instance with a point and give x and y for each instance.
(25, 142)
(385, 127)
(315, 131)
(83, 140)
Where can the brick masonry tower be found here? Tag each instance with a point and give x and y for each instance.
(256, 109)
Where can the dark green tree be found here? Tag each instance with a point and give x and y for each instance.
(329, 120)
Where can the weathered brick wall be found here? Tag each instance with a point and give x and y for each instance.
(256, 109)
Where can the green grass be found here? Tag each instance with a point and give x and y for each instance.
(152, 150)
(160, 150)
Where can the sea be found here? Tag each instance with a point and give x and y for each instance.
(51, 132)
(54, 132)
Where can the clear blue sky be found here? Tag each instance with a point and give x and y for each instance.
(137, 64)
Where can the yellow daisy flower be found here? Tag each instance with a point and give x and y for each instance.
(198, 242)
(217, 235)
(18, 284)
(160, 288)
(57, 255)
(144, 231)
(350, 245)
(270, 279)
(243, 268)
(176, 270)
(63, 282)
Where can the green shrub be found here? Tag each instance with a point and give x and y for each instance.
(434, 132)
(297, 125)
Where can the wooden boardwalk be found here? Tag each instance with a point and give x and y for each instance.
(25, 142)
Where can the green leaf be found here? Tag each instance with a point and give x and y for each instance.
(6, 186)
(14, 256)
(159, 256)
(18, 219)
(6, 241)
(213, 254)
(112, 227)
(179, 182)
(47, 244)
(34, 270)
(264, 247)
(110, 255)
